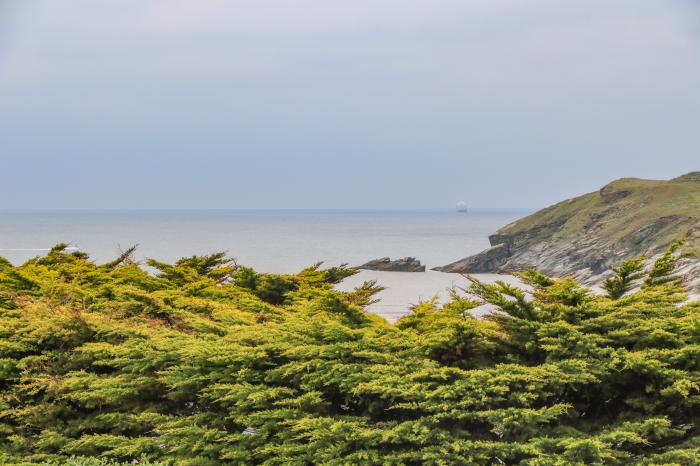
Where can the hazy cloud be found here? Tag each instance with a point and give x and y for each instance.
(295, 95)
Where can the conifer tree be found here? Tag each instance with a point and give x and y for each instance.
(626, 275)
(205, 362)
(664, 268)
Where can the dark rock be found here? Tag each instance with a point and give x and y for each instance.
(611, 192)
(649, 231)
(484, 262)
(385, 264)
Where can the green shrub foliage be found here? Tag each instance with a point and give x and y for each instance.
(625, 277)
(204, 362)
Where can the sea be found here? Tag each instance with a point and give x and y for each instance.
(276, 241)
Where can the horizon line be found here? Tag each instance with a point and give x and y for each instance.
(255, 209)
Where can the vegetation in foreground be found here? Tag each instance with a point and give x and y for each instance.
(204, 363)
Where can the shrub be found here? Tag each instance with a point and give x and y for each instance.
(195, 365)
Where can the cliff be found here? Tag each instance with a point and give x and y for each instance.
(586, 235)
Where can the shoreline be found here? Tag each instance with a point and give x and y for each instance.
(404, 289)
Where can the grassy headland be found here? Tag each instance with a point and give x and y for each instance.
(590, 233)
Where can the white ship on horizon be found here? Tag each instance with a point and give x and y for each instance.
(461, 206)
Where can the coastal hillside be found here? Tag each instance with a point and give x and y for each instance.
(587, 235)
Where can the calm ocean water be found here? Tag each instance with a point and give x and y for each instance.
(271, 241)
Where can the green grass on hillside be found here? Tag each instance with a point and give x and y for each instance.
(620, 209)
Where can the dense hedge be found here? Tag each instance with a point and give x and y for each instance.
(204, 362)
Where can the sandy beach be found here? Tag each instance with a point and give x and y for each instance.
(404, 289)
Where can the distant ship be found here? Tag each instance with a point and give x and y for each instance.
(461, 206)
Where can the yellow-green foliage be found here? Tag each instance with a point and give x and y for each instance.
(203, 362)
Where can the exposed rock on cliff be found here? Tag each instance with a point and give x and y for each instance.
(586, 235)
(385, 264)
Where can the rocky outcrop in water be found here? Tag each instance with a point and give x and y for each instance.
(385, 264)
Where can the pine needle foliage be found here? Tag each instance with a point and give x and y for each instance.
(624, 278)
(663, 270)
(204, 362)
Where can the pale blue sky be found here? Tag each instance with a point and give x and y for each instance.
(349, 104)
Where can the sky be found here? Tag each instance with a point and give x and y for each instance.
(248, 104)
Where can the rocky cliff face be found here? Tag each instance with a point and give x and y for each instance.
(586, 235)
